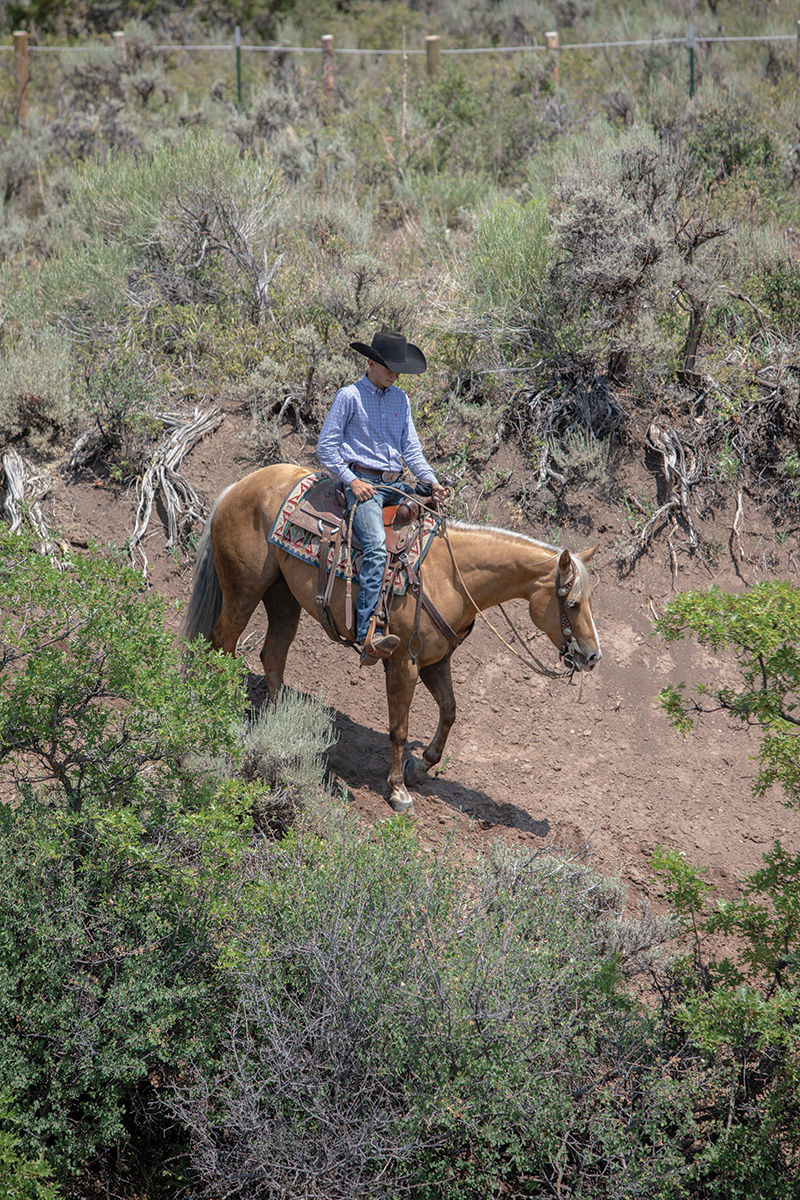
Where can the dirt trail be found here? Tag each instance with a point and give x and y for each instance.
(530, 760)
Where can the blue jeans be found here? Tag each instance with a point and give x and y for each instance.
(368, 525)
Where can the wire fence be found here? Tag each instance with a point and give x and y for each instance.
(433, 52)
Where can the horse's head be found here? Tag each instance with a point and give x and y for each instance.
(561, 606)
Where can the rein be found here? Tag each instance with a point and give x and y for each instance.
(530, 660)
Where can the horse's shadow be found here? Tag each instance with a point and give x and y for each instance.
(367, 765)
(360, 758)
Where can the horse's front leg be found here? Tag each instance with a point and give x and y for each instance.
(439, 682)
(401, 680)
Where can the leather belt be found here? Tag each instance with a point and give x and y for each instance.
(384, 476)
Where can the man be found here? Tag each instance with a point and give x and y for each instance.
(367, 437)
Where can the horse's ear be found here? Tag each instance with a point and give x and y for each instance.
(588, 555)
(565, 561)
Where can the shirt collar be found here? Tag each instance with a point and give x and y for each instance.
(376, 391)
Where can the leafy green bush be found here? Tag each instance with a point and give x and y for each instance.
(115, 858)
(21, 1178)
(737, 1012)
(734, 1018)
(762, 627)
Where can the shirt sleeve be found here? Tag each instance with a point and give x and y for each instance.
(411, 451)
(329, 445)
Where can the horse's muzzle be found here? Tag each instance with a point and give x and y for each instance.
(578, 660)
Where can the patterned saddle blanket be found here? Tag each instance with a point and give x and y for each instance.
(296, 530)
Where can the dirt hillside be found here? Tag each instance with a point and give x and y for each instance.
(591, 764)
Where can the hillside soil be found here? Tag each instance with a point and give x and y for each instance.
(589, 765)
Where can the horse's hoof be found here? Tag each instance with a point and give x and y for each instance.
(404, 808)
(402, 803)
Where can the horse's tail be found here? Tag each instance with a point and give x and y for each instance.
(205, 603)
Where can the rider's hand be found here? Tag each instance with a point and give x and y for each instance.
(440, 492)
(361, 489)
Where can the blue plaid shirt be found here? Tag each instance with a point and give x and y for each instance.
(374, 428)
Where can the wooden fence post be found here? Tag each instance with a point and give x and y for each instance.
(798, 50)
(432, 46)
(21, 65)
(119, 45)
(551, 42)
(327, 66)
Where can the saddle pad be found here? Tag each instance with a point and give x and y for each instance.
(302, 544)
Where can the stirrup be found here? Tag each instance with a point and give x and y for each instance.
(387, 643)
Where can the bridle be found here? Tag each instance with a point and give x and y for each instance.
(562, 591)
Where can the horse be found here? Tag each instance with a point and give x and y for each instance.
(467, 569)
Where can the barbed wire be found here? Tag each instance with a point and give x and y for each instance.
(686, 40)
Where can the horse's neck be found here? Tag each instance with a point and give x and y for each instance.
(497, 566)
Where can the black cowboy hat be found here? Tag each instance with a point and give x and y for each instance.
(392, 351)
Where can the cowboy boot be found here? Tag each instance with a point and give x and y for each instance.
(377, 646)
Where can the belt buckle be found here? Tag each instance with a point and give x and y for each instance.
(389, 476)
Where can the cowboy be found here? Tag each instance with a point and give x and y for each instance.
(367, 437)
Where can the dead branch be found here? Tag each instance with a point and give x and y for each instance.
(17, 507)
(737, 522)
(163, 476)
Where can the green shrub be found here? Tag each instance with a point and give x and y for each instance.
(762, 628)
(111, 716)
(116, 860)
(21, 1178)
(735, 1020)
(731, 138)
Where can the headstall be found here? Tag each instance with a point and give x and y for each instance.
(562, 591)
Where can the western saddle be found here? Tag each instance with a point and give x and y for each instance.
(323, 511)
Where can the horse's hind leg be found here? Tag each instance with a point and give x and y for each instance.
(439, 682)
(283, 613)
(242, 588)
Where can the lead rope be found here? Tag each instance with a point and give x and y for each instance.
(531, 661)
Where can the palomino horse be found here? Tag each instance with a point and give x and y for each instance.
(473, 568)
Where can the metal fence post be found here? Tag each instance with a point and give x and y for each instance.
(21, 66)
(237, 37)
(691, 61)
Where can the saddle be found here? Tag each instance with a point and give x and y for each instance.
(323, 511)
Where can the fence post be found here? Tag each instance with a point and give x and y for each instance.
(691, 61)
(118, 39)
(237, 39)
(798, 50)
(432, 46)
(21, 65)
(327, 66)
(551, 42)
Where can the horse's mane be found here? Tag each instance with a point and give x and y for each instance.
(582, 585)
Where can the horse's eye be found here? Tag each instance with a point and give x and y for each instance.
(572, 604)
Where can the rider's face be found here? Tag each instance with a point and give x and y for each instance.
(381, 376)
